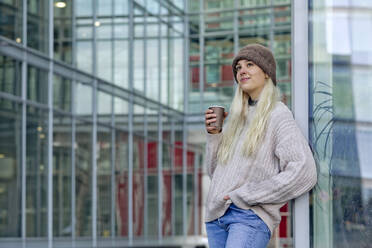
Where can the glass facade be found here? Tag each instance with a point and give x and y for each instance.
(93, 141)
(218, 29)
(340, 122)
(101, 106)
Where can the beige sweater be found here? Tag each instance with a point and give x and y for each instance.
(282, 169)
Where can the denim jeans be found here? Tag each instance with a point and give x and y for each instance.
(238, 228)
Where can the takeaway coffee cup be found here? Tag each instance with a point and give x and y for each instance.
(219, 111)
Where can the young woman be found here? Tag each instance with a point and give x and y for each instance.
(258, 162)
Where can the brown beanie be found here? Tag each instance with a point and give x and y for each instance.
(259, 55)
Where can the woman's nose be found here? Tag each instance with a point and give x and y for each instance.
(243, 71)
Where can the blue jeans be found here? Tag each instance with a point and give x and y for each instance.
(238, 228)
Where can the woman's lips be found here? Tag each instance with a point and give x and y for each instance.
(244, 80)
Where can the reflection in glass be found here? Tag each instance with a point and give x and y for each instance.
(139, 65)
(219, 21)
(84, 56)
(38, 25)
(62, 148)
(165, 83)
(152, 124)
(10, 166)
(152, 69)
(341, 125)
(83, 100)
(63, 32)
(190, 204)
(11, 11)
(104, 60)
(104, 7)
(152, 201)
(104, 185)
(84, 8)
(138, 202)
(104, 107)
(138, 119)
(62, 93)
(36, 172)
(121, 63)
(194, 75)
(121, 187)
(37, 85)
(83, 168)
(176, 57)
(121, 113)
(178, 206)
(218, 80)
(10, 76)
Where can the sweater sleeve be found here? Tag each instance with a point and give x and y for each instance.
(213, 142)
(297, 173)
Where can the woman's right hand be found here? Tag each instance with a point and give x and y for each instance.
(210, 117)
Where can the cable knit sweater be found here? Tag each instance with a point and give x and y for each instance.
(282, 168)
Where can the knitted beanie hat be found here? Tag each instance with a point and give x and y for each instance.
(259, 55)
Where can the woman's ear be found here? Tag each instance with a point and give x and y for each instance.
(266, 76)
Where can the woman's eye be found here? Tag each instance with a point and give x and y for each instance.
(250, 64)
(237, 68)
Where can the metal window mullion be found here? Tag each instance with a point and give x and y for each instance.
(24, 116)
(186, 42)
(50, 125)
(272, 25)
(184, 133)
(73, 164)
(201, 52)
(184, 177)
(113, 130)
(73, 129)
(196, 193)
(300, 91)
(173, 189)
(236, 26)
(113, 167)
(130, 124)
(145, 152)
(94, 129)
(160, 174)
(160, 138)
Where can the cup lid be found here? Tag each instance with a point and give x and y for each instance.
(216, 106)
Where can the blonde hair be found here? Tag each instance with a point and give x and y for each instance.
(237, 117)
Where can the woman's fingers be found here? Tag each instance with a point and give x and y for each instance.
(212, 130)
(209, 116)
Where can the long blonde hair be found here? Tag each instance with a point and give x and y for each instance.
(237, 117)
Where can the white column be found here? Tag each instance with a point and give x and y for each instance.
(300, 102)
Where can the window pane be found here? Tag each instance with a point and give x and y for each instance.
(104, 185)
(37, 85)
(10, 76)
(11, 11)
(38, 25)
(83, 167)
(11, 168)
(83, 100)
(341, 123)
(63, 32)
(62, 93)
(104, 107)
(121, 180)
(36, 172)
(62, 148)
(138, 186)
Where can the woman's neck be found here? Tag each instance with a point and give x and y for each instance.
(252, 102)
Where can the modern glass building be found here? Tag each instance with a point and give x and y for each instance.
(101, 116)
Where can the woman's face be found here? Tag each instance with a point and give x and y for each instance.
(251, 78)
